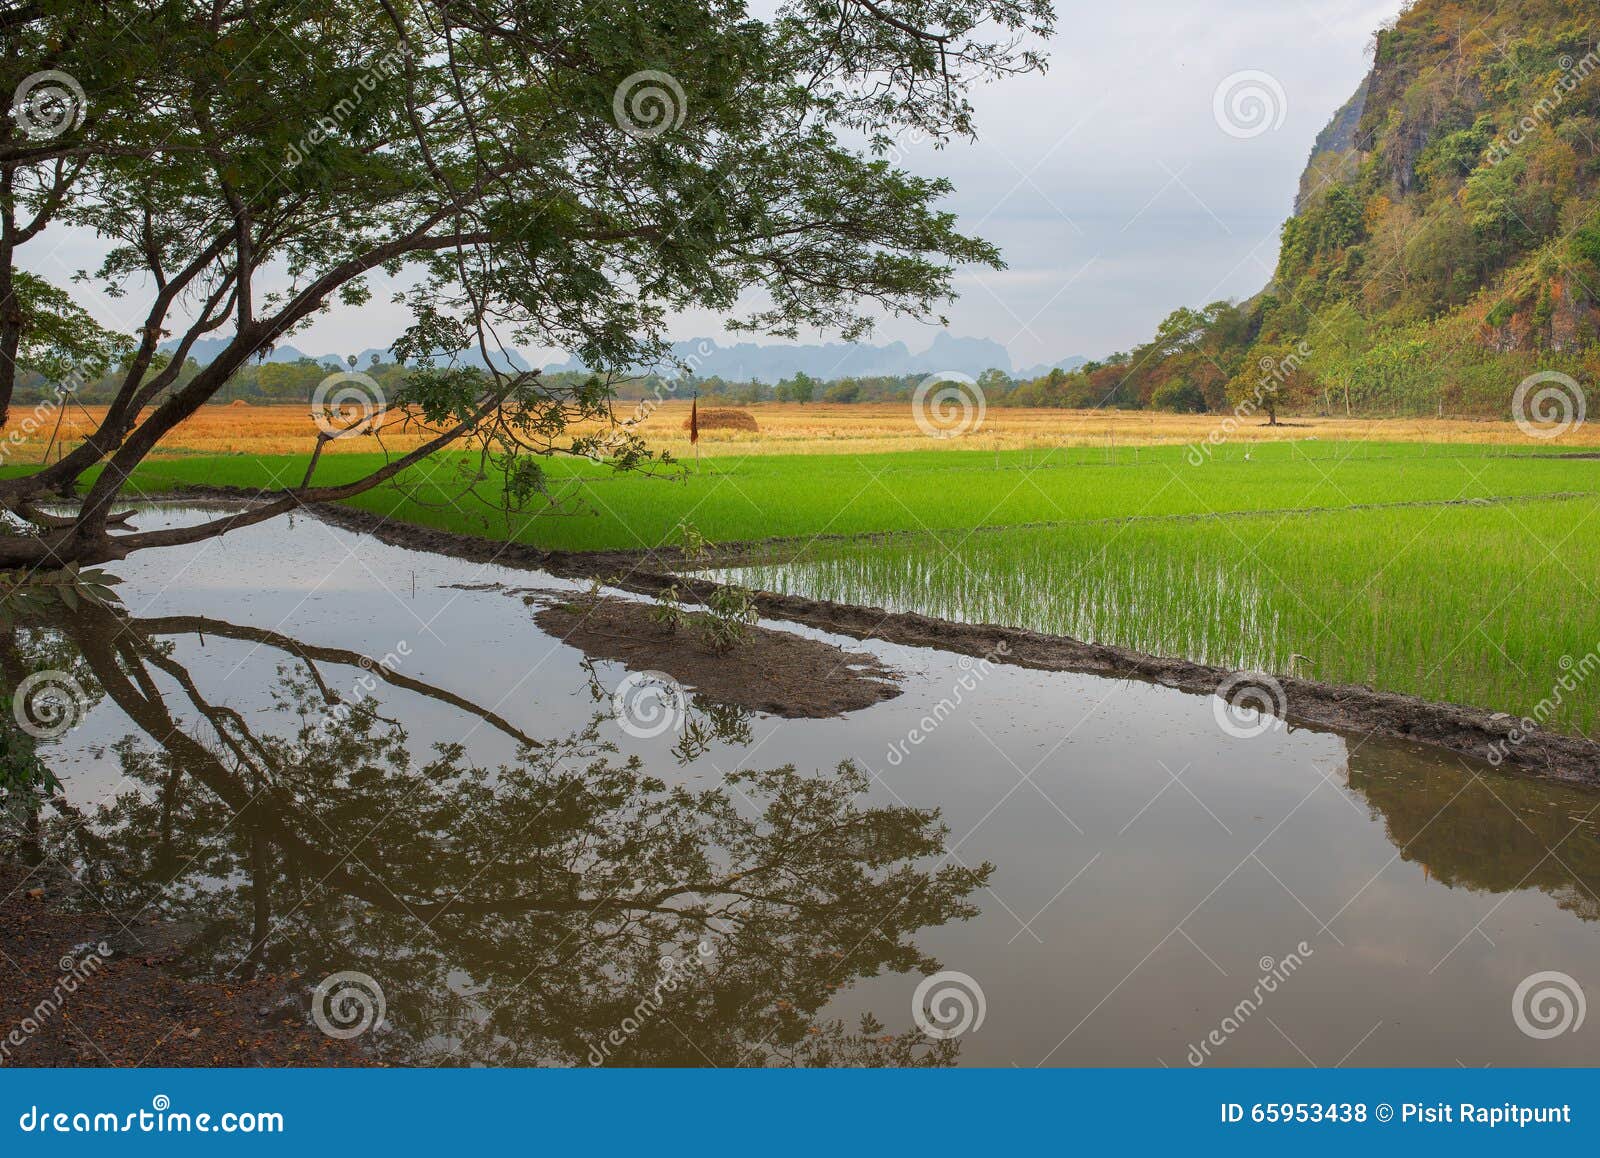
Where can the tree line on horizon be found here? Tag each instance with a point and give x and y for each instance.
(1444, 251)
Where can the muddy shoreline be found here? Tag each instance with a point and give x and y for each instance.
(98, 989)
(1355, 711)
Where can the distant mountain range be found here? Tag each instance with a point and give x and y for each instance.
(744, 362)
(205, 349)
(1044, 368)
(757, 362)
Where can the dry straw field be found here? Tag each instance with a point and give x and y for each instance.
(813, 428)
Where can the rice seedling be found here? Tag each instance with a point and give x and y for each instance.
(1487, 605)
(1456, 572)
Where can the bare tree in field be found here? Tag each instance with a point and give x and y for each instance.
(544, 174)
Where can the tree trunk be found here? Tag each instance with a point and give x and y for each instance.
(87, 540)
(10, 307)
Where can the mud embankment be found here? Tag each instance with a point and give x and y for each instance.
(776, 672)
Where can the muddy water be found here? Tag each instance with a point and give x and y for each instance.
(327, 756)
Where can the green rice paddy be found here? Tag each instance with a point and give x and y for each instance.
(733, 499)
(1483, 605)
(1459, 573)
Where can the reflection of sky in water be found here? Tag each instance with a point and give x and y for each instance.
(1146, 863)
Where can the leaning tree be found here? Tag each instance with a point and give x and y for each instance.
(529, 172)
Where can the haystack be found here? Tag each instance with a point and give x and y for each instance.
(726, 419)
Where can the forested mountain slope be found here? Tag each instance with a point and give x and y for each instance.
(1445, 242)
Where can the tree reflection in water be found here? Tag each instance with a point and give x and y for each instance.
(522, 914)
(1487, 832)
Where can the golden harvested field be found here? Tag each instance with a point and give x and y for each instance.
(791, 428)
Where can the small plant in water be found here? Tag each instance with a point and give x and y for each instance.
(732, 610)
(668, 610)
(712, 723)
(690, 541)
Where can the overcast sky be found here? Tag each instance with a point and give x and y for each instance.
(1109, 183)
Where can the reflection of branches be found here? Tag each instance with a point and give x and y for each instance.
(518, 913)
(309, 653)
(1493, 834)
(705, 722)
(708, 722)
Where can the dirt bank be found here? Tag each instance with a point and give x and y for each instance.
(85, 989)
(1358, 711)
(770, 671)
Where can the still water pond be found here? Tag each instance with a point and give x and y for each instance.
(326, 755)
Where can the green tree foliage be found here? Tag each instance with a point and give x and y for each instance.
(1275, 381)
(801, 388)
(1179, 396)
(57, 340)
(1186, 367)
(522, 192)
